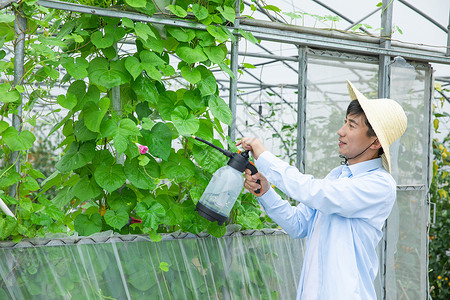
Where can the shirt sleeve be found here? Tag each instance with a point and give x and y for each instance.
(294, 220)
(357, 197)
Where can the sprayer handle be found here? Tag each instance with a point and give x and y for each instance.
(254, 170)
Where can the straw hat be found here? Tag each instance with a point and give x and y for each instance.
(386, 117)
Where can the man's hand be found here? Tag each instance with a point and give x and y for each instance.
(251, 185)
(252, 144)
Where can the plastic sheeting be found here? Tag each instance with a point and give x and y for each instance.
(242, 265)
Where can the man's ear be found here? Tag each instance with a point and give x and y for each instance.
(376, 145)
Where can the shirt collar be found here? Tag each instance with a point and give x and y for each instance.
(365, 166)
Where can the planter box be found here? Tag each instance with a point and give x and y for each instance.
(249, 264)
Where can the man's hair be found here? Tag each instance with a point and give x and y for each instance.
(354, 108)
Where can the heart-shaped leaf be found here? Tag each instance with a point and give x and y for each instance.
(181, 34)
(151, 58)
(143, 177)
(18, 141)
(151, 213)
(125, 129)
(68, 101)
(77, 69)
(217, 32)
(208, 84)
(124, 200)
(193, 99)
(178, 168)
(228, 13)
(116, 219)
(77, 156)
(216, 54)
(101, 41)
(191, 55)
(185, 122)
(8, 177)
(86, 225)
(166, 104)
(144, 31)
(159, 140)
(106, 74)
(136, 3)
(178, 11)
(133, 66)
(93, 113)
(191, 75)
(145, 90)
(220, 109)
(200, 12)
(86, 189)
(110, 177)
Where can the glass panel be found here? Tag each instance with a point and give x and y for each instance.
(406, 268)
(327, 101)
(409, 154)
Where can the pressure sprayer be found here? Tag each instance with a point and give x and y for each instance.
(225, 186)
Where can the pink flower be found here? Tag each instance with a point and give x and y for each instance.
(143, 149)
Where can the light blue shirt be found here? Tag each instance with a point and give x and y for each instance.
(353, 209)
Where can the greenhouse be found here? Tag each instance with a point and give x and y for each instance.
(102, 177)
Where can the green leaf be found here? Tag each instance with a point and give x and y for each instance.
(7, 18)
(178, 11)
(77, 70)
(101, 41)
(142, 177)
(139, 280)
(208, 84)
(18, 141)
(159, 140)
(107, 74)
(149, 57)
(189, 55)
(166, 104)
(8, 95)
(30, 184)
(193, 99)
(63, 197)
(191, 75)
(228, 13)
(209, 158)
(136, 3)
(220, 34)
(124, 200)
(149, 8)
(163, 266)
(7, 227)
(8, 177)
(272, 8)
(181, 34)
(178, 168)
(216, 54)
(77, 156)
(3, 126)
(144, 31)
(224, 67)
(248, 36)
(86, 189)
(110, 177)
(93, 113)
(86, 225)
(220, 109)
(186, 123)
(145, 90)
(125, 129)
(68, 101)
(215, 230)
(151, 213)
(133, 65)
(200, 12)
(116, 219)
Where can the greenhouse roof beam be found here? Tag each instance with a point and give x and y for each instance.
(424, 15)
(319, 38)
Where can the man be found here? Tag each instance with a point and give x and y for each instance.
(343, 214)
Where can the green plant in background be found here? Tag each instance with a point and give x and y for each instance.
(439, 262)
(112, 103)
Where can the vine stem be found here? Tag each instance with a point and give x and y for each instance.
(164, 277)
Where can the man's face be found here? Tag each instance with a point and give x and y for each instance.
(353, 137)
